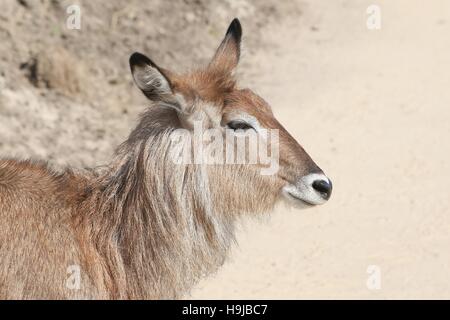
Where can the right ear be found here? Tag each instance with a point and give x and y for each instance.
(227, 55)
(149, 77)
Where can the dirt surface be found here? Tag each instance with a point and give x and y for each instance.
(370, 106)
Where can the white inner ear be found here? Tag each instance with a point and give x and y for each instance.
(150, 80)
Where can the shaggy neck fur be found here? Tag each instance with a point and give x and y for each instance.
(153, 224)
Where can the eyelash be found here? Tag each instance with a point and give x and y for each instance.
(239, 125)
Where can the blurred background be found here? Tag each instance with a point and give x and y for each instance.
(370, 105)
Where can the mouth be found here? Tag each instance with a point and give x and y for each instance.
(296, 199)
(310, 190)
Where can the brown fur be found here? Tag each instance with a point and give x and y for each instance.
(143, 227)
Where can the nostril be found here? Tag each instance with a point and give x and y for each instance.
(324, 187)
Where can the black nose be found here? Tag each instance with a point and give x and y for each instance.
(324, 187)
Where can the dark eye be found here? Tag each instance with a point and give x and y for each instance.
(239, 125)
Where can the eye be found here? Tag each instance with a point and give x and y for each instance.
(239, 125)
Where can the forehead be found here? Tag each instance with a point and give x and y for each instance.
(221, 93)
(204, 85)
(247, 101)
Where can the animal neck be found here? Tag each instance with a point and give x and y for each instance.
(157, 229)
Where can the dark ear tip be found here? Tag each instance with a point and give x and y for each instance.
(235, 29)
(138, 59)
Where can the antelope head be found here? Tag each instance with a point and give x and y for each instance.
(211, 98)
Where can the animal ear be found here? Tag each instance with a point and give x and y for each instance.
(227, 55)
(149, 77)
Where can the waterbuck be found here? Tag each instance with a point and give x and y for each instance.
(146, 226)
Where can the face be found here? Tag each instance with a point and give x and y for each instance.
(211, 98)
(301, 180)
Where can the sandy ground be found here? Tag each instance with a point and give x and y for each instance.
(370, 106)
(373, 109)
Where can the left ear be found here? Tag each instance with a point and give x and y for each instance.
(149, 77)
(227, 55)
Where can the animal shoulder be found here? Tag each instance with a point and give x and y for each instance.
(35, 179)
